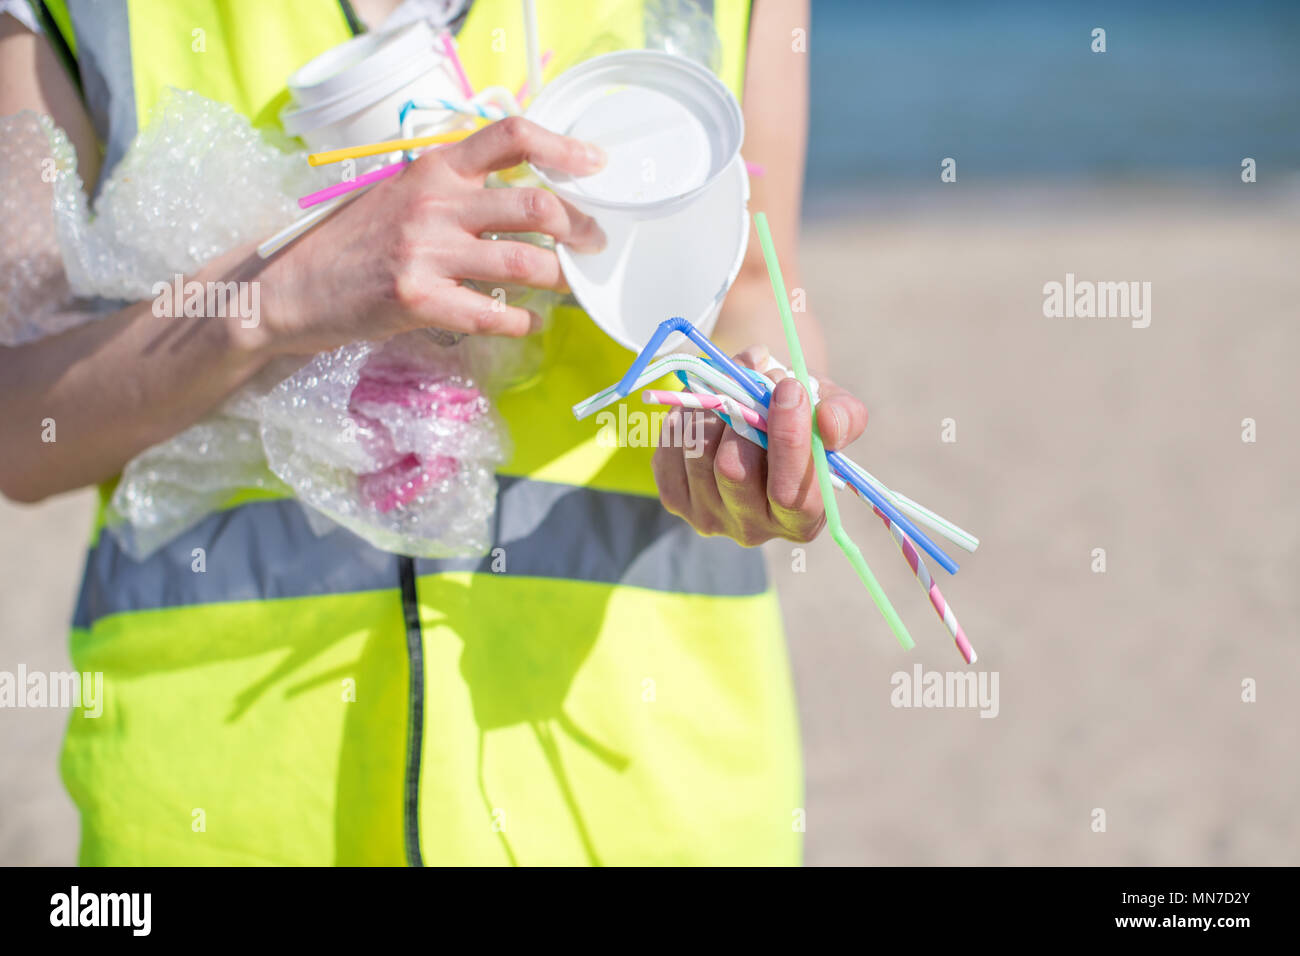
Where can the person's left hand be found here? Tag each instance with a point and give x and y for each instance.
(723, 484)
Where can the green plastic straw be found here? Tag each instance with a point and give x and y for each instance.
(840, 536)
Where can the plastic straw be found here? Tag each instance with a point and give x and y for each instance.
(838, 533)
(760, 394)
(918, 512)
(533, 46)
(472, 107)
(338, 189)
(755, 418)
(922, 575)
(449, 47)
(525, 88)
(724, 383)
(691, 364)
(699, 400)
(305, 223)
(757, 434)
(389, 146)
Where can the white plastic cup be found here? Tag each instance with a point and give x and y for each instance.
(352, 93)
(671, 199)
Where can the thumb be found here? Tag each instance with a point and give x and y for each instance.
(790, 475)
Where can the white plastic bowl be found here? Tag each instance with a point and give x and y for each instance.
(682, 264)
(669, 127)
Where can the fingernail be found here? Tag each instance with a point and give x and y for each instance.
(788, 393)
(534, 322)
(595, 156)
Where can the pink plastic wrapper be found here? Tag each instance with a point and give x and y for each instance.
(395, 442)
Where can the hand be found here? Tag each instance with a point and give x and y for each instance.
(735, 489)
(392, 260)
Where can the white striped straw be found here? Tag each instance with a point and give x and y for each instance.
(467, 107)
(302, 224)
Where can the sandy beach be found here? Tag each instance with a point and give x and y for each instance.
(1119, 691)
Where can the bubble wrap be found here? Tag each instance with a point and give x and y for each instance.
(170, 487)
(392, 441)
(33, 286)
(197, 182)
(397, 442)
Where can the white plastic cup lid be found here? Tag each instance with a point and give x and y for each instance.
(668, 126)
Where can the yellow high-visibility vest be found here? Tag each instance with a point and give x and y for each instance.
(617, 692)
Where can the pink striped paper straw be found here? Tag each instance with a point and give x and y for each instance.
(449, 47)
(699, 400)
(523, 87)
(338, 189)
(931, 589)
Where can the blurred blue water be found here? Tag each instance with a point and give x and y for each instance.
(1013, 92)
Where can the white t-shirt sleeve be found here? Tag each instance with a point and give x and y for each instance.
(21, 12)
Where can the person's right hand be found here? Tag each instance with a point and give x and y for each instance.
(392, 260)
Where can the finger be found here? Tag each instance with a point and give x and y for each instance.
(515, 140)
(741, 476)
(699, 444)
(754, 357)
(464, 310)
(531, 210)
(841, 416)
(507, 262)
(791, 481)
(669, 468)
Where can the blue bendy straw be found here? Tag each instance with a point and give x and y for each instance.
(760, 393)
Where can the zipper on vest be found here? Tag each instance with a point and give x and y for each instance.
(415, 733)
(414, 651)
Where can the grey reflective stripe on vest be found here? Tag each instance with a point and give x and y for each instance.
(266, 550)
(103, 32)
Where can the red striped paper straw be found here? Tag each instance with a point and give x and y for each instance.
(338, 189)
(746, 422)
(699, 400)
(931, 589)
